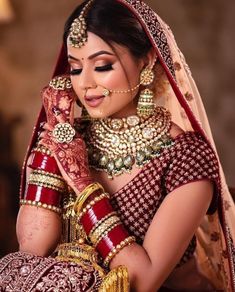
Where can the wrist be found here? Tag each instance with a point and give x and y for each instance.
(45, 185)
(102, 225)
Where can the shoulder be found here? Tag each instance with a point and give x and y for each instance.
(191, 158)
(192, 141)
(175, 130)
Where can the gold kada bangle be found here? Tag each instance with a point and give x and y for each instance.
(85, 194)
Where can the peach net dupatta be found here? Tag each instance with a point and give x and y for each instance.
(216, 235)
(177, 91)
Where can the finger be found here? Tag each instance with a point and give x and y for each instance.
(56, 111)
(58, 115)
(61, 119)
(41, 125)
(48, 127)
(42, 135)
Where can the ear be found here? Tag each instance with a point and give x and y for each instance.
(150, 59)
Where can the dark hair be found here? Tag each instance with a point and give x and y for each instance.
(114, 23)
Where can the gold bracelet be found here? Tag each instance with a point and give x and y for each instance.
(116, 280)
(42, 149)
(48, 180)
(50, 174)
(101, 221)
(102, 230)
(41, 205)
(92, 203)
(128, 241)
(77, 250)
(105, 233)
(84, 195)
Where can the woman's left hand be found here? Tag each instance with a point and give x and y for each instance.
(71, 156)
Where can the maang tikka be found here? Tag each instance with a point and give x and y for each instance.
(145, 107)
(78, 31)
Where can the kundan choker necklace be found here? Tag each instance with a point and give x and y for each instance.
(115, 145)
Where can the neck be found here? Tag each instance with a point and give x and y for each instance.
(127, 111)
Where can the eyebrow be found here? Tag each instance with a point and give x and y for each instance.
(93, 55)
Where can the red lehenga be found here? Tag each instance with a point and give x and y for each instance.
(192, 156)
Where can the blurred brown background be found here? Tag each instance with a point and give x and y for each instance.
(30, 37)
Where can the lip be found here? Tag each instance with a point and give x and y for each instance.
(94, 100)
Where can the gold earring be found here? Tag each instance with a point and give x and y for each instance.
(146, 77)
(145, 107)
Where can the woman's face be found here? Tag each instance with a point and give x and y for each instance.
(95, 67)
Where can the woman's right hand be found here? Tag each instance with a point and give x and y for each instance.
(72, 156)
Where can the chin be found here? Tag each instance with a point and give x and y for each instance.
(104, 112)
(98, 114)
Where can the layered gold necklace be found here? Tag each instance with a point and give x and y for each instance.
(115, 145)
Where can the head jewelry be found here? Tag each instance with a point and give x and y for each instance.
(78, 30)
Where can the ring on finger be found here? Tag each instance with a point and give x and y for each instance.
(63, 133)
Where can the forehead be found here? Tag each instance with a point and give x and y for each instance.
(94, 44)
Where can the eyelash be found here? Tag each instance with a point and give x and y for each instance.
(104, 68)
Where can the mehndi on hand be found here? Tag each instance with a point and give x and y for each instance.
(67, 147)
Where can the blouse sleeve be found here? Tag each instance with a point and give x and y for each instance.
(192, 160)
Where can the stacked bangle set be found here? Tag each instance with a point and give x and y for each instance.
(101, 223)
(45, 185)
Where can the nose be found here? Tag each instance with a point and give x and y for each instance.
(86, 80)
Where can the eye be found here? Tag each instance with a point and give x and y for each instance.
(107, 67)
(75, 71)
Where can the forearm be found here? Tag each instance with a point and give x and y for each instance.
(38, 230)
(140, 269)
(104, 229)
(167, 238)
(146, 274)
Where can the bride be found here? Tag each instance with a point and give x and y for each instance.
(128, 194)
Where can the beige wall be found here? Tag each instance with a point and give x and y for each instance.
(204, 30)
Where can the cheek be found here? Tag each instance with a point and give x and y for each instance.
(78, 91)
(116, 79)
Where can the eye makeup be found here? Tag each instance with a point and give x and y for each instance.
(107, 67)
(104, 68)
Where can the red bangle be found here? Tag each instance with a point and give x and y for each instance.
(111, 240)
(45, 184)
(43, 195)
(95, 214)
(104, 229)
(44, 162)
